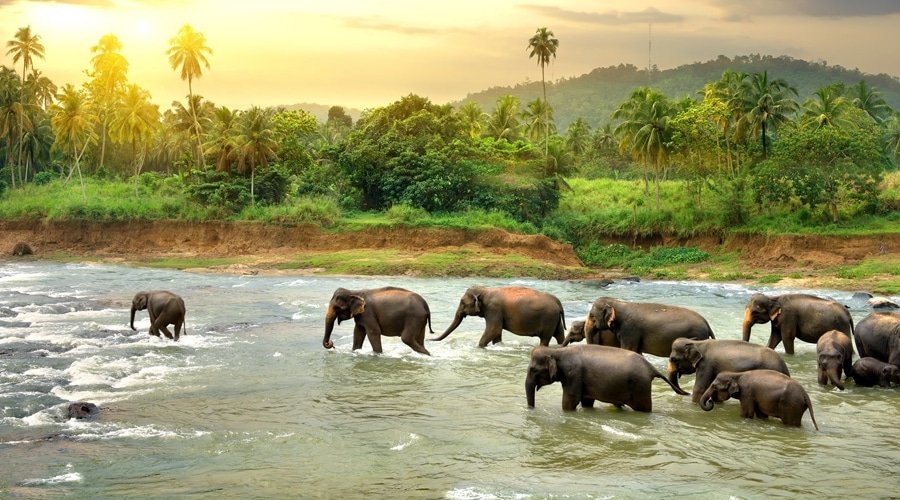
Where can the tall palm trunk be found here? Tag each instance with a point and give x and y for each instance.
(103, 138)
(196, 121)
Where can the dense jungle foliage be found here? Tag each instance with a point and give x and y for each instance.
(745, 151)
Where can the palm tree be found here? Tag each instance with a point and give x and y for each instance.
(221, 141)
(110, 68)
(503, 122)
(535, 116)
(869, 100)
(577, 137)
(10, 108)
(645, 129)
(73, 123)
(188, 49)
(41, 89)
(892, 136)
(766, 105)
(543, 45)
(603, 138)
(37, 143)
(25, 46)
(827, 107)
(728, 89)
(135, 122)
(473, 118)
(256, 142)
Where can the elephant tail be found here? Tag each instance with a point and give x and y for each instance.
(674, 387)
(562, 318)
(811, 414)
(428, 317)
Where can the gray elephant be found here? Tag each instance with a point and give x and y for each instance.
(644, 327)
(763, 394)
(834, 352)
(597, 337)
(870, 371)
(708, 358)
(591, 373)
(878, 336)
(523, 311)
(795, 316)
(165, 308)
(389, 311)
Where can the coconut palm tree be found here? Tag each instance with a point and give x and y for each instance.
(578, 137)
(73, 123)
(221, 140)
(473, 118)
(256, 142)
(543, 45)
(188, 50)
(535, 116)
(869, 100)
(603, 138)
(504, 122)
(892, 136)
(41, 89)
(134, 122)
(108, 84)
(728, 89)
(26, 46)
(767, 105)
(37, 143)
(827, 107)
(185, 124)
(10, 107)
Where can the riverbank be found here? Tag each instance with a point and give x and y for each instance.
(842, 262)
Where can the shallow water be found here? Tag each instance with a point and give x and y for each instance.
(250, 404)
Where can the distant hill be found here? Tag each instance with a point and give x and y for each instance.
(320, 111)
(595, 95)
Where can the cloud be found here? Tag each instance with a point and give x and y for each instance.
(380, 25)
(87, 3)
(610, 17)
(737, 10)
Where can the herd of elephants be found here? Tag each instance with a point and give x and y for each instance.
(611, 368)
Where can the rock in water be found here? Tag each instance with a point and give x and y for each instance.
(881, 303)
(21, 249)
(82, 410)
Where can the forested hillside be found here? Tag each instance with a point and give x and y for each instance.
(595, 95)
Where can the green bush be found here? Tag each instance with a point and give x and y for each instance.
(45, 177)
(318, 210)
(406, 214)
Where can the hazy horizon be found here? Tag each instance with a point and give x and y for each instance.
(360, 55)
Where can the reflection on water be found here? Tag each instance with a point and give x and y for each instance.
(250, 404)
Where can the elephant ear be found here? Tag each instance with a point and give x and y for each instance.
(693, 355)
(477, 302)
(140, 302)
(774, 314)
(357, 305)
(611, 317)
(734, 390)
(551, 367)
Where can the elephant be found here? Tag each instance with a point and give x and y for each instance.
(762, 393)
(644, 327)
(387, 311)
(521, 310)
(81, 410)
(834, 352)
(795, 316)
(602, 337)
(708, 358)
(878, 336)
(591, 373)
(165, 308)
(870, 371)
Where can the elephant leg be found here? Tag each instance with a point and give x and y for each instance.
(774, 339)
(748, 407)
(642, 403)
(570, 399)
(702, 380)
(560, 335)
(414, 340)
(374, 336)
(587, 402)
(789, 344)
(359, 334)
(177, 330)
(492, 331)
(161, 325)
(497, 339)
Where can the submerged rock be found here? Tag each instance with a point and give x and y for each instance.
(82, 410)
(862, 296)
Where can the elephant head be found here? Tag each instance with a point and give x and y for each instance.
(542, 371)
(683, 360)
(830, 365)
(138, 303)
(344, 305)
(760, 309)
(890, 373)
(576, 333)
(723, 387)
(471, 304)
(601, 316)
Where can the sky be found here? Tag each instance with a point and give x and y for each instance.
(367, 53)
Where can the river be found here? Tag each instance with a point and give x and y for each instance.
(249, 403)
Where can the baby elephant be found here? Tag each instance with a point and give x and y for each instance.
(165, 309)
(601, 337)
(870, 371)
(763, 393)
(591, 373)
(835, 353)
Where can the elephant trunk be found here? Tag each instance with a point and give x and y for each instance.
(834, 376)
(745, 327)
(672, 372)
(530, 389)
(133, 310)
(706, 401)
(330, 316)
(457, 319)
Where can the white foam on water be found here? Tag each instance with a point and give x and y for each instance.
(22, 277)
(469, 493)
(412, 438)
(110, 432)
(617, 432)
(72, 477)
(294, 283)
(277, 355)
(98, 397)
(46, 416)
(45, 372)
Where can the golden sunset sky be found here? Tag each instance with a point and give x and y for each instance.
(368, 53)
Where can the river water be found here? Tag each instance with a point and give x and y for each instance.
(249, 404)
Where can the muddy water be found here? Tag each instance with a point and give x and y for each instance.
(250, 404)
